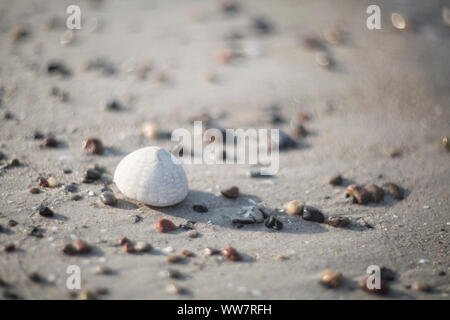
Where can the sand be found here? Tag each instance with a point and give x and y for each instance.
(389, 90)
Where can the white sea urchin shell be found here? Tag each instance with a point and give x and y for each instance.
(153, 176)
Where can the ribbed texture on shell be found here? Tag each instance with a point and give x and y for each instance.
(152, 175)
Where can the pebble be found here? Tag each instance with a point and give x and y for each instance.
(323, 59)
(387, 274)
(164, 225)
(231, 193)
(384, 288)
(421, 286)
(93, 146)
(37, 135)
(108, 198)
(129, 248)
(193, 234)
(10, 247)
(445, 141)
(231, 254)
(273, 223)
(13, 163)
(92, 175)
(187, 253)
(171, 274)
(175, 258)
(36, 277)
(361, 195)
(35, 190)
(77, 247)
(113, 105)
(45, 211)
(210, 251)
(331, 279)
(12, 223)
(338, 221)
(261, 25)
(50, 142)
(103, 270)
(285, 141)
(42, 182)
(76, 197)
(295, 207)
(312, 214)
(394, 189)
(333, 36)
(151, 130)
(19, 33)
(175, 289)
(53, 182)
(72, 188)
(58, 68)
(142, 246)
(248, 215)
(230, 7)
(86, 295)
(336, 181)
(398, 21)
(200, 208)
(122, 241)
(376, 193)
(35, 232)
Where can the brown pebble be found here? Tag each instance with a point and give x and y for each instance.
(103, 270)
(394, 189)
(193, 234)
(338, 221)
(175, 258)
(124, 240)
(10, 247)
(376, 193)
(187, 253)
(231, 193)
(42, 182)
(331, 279)
(384, 288)
(35, 190)
(81, 246)
(50, 142)
(336, 181)
(93, 145)
(18, 33)
(295, 207)
(361, 195)
(231, 254)
(420, 286)
(164, 225)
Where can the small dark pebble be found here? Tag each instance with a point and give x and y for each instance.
(10, 247)
(338, 222)
(262, 25)
(92, 174)
(42, 182)
(93, 145)
(50, 142)
(37, 135)
(12, 223)
(36, 277)
(361, 195)
(76, 197)
(71, 188)
(312, 214)
(387, 274)
(285, 141)
(312, 42)
(8, 115)
(108, 198)
(35, 232)
(230, 7)
(67, 171)
(200, 208)
(113, 105)
(189, 225)
(273, 223)
(45, 211)
(123, 241)
(14, 163)
(210, 251)
(336, 181)
(11, 295)
(137, 218)
(58, 68)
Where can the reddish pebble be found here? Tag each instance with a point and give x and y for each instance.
(231, 254)
(10, 247)
(383, 289)
(129, 248)
(187, 253)
(43, 182)
(164, 225)
(93, 145)
(124, 240)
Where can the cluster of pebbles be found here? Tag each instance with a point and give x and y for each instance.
(253, 214)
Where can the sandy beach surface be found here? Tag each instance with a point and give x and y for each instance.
(387, 91)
